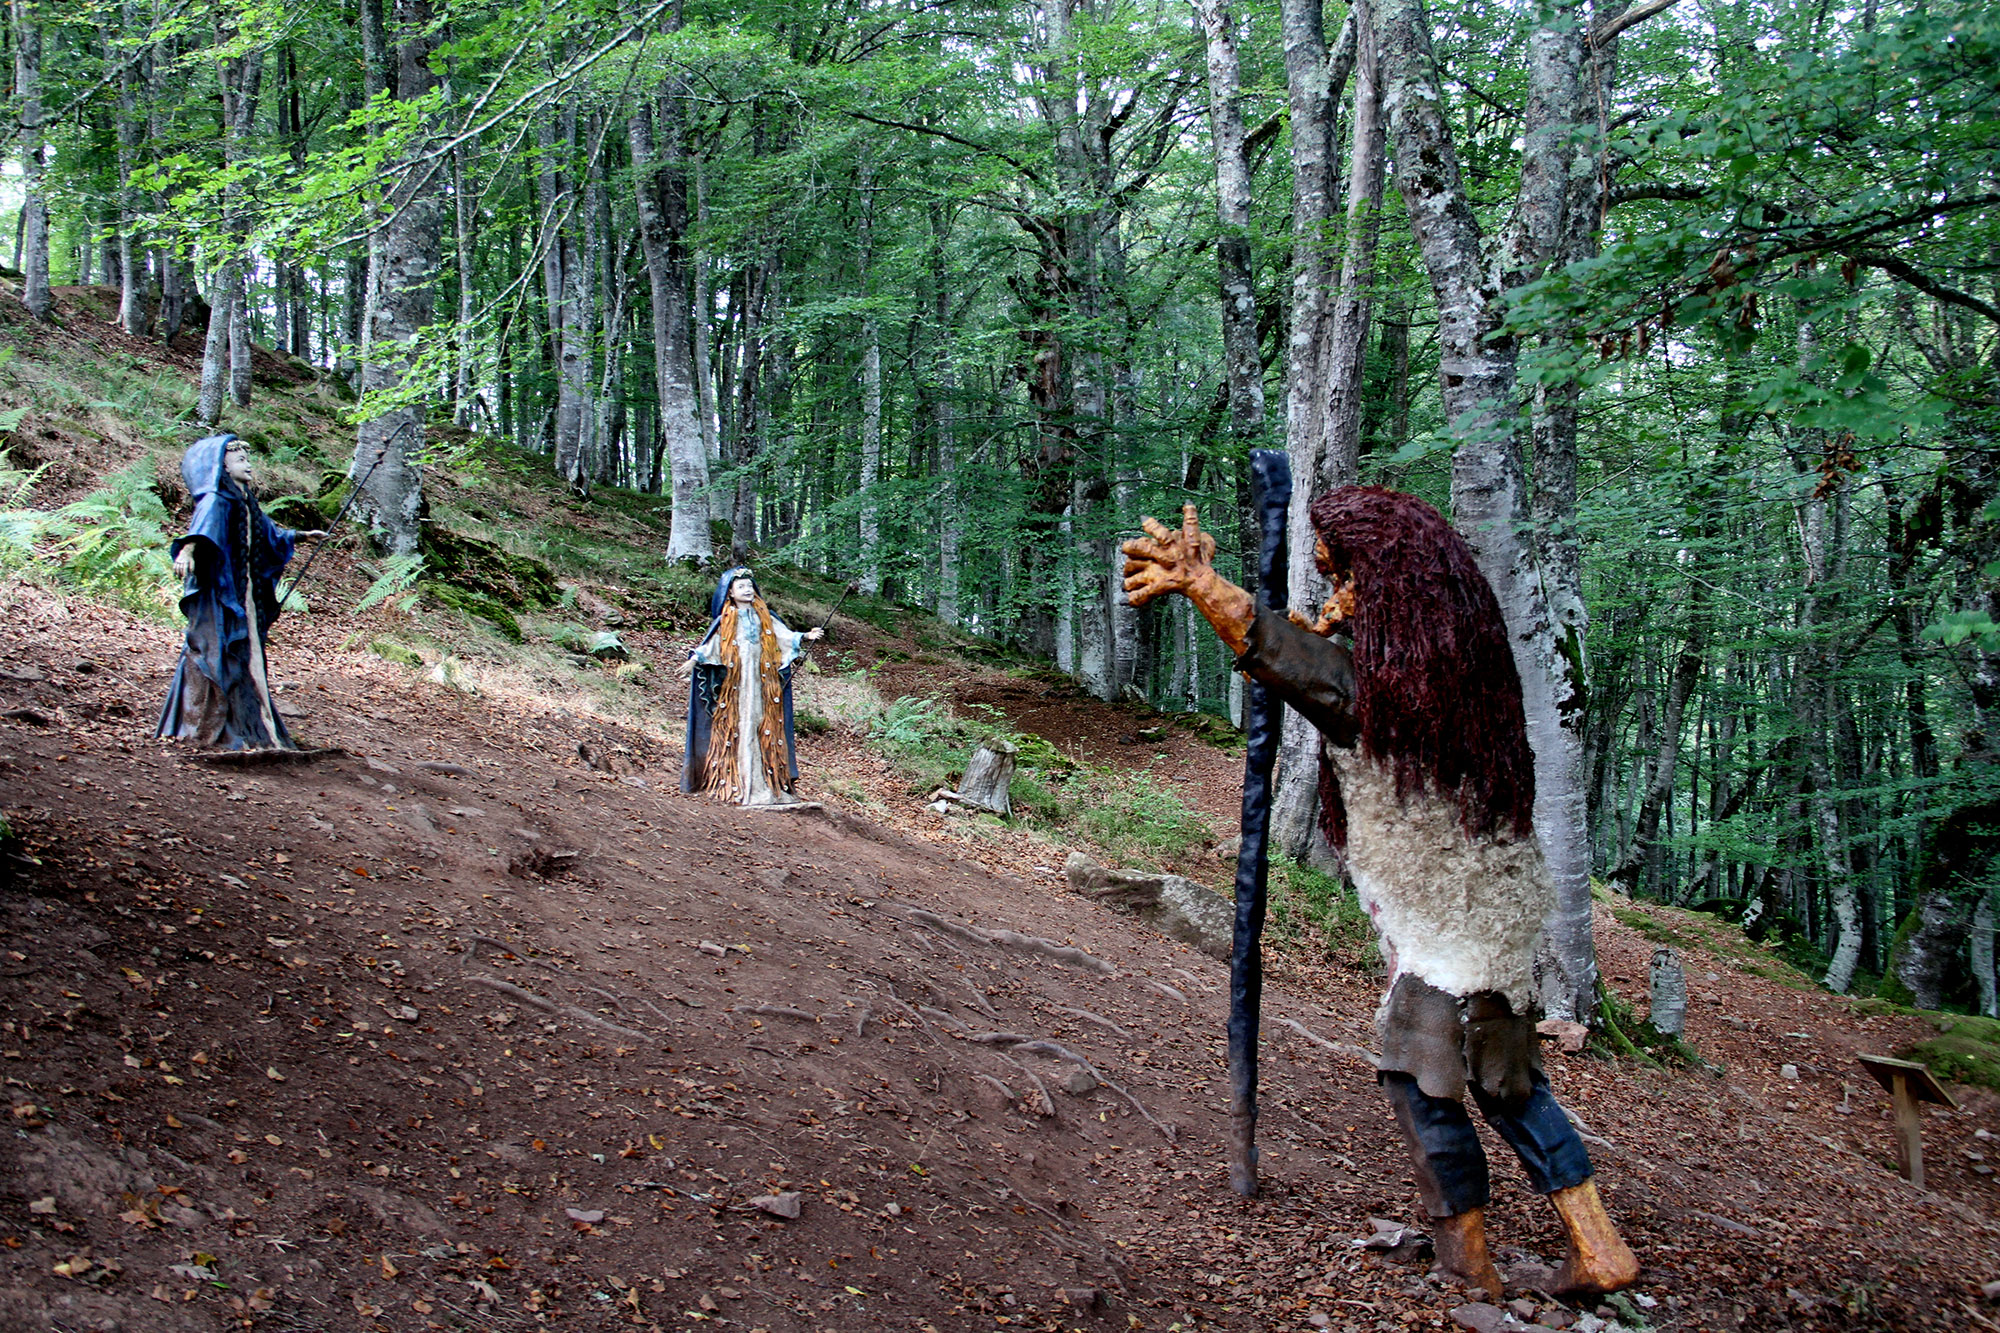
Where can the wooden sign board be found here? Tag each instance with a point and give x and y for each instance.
(1922, 1084)
(1908, 1083)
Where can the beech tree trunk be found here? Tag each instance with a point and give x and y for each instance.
(945, 418)
(462, 217)
(704, 329)
(1490, 500)
(215, 349)
(660, 193)
(1242, 365)
(35, 293)
(402, 279)
(1324, 434)
(871, 395)
(242, 78)
(135, 316)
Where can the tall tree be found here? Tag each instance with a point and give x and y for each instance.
(402, 278)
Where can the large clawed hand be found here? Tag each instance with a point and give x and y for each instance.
(1165, 561)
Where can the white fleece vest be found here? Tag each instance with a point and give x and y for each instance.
(1462, 913)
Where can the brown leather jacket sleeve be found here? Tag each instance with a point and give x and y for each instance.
(1313, 675)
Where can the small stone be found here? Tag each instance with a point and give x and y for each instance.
(407, 1013)
(448, 770)
(1790, 1072)
(587, 1216)
(1078, 1082)
(1991, 1291)
(1555, 1316)
(381, 766)
(1480, 1317)
(784, 1205)
(1568, 1036)
(1522, 1309)
(1083, 1298)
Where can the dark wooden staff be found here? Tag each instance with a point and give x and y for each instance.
(334, 527)
(1264, 713)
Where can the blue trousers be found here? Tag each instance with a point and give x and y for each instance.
(1451, 1166)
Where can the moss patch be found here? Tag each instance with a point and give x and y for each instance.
(1966, 1049)
(475, 604)
(483, 570)
(391, 651)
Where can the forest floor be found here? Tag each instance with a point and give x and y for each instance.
(450, 1029)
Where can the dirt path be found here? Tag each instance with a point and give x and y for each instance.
(451, 1031)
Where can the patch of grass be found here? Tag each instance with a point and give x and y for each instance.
(1319, 913)
(1654, 929)
(1137, 814)
(1966, 1049)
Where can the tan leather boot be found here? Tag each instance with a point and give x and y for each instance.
(1598, 1260)
(1461, 1248)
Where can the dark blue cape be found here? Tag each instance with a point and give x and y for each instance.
(706, 688)
(214, 697)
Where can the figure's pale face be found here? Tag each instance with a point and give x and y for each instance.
(743, 592)
(236, 463)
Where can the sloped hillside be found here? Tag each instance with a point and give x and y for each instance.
(477, 1023)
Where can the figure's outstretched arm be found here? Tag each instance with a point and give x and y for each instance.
(1166, 561)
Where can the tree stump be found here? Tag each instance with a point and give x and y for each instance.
(1670, 993)
(987, 775)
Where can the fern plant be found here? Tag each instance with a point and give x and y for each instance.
(112, 542)
(399, 575)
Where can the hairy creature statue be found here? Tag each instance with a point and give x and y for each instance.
(1427, 784)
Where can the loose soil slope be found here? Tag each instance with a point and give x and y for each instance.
(453, 1031)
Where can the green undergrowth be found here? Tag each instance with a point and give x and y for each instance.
(1966, 1048)
(1131, 817)
(1780, 952)
(111, 544)
(1318, 914)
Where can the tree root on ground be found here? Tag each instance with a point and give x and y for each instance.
(1345, 1048)
(542, 1002)
(1055, 1050)
(1014, 939)
(1098, 1019)
(775, 1010)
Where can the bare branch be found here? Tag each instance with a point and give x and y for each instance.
(1610, 28)
(1924, 282)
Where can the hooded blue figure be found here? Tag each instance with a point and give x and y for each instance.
(230, 560)
(740, 746)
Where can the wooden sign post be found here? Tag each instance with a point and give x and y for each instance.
(1908, 1084)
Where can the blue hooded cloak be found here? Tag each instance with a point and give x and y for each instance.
(707, 687)
(220, 695)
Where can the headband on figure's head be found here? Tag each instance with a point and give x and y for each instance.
(729, 576)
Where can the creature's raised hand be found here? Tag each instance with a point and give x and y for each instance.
(1165, 561)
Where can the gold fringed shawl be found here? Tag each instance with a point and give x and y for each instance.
(725, 781)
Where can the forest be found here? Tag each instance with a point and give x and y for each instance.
(1688, 315)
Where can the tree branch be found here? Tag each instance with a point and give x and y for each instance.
(1923, 282)
(1630, 194)
(963, 142)
(1610, 28)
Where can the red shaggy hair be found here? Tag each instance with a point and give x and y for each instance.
(1436, 692)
